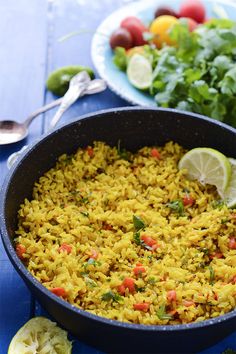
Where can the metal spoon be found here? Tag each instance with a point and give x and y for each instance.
(12, 131)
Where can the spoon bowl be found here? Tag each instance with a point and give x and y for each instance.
(12, 132)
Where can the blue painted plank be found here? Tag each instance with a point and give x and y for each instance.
(69, 16)
(23, 54)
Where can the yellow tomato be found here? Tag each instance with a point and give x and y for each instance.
(160, 27)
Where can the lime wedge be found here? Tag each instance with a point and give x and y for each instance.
(229, 196)
(42, 336)
(139, 72)
(208, 166)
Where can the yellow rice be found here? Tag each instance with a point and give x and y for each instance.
(88, 202)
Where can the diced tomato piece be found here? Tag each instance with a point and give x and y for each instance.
(232, 243)
(58, 291)
(121, 289)
(20, 250)
(188, 303)
(149, 241)
(233, 280)
(216, 255)
(94, 254)
(171, 295)
(187, 200)
(65, 248)
(128, 283)
(173, 313)
(139, 269)
(90, 151)
(142, 306)
(107, 227)
(155, 153)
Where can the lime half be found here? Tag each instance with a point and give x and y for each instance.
(139, 72)
(42, 336)
(208, 166)
(229, 196)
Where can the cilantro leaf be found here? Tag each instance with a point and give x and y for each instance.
(162, 315)
(139, 224)
(120, 58)
(110, 296)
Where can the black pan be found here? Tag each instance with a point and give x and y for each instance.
(135, 127)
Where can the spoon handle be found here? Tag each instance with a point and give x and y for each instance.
(42, 110)
(68, 99)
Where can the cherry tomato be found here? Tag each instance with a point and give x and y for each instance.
(121, 37)
(193, 9)
(165, 10)
(136, 28)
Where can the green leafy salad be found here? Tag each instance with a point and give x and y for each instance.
(197, 74)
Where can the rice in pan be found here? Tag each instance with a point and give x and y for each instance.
(129, 237)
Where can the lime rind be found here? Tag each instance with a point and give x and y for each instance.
(229, 196)
(208, 166)
(139, 72)
(42, 336)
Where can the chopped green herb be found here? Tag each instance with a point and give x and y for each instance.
(85, 213)
(224, 221)
(218, 204)
(140, 289)
(138, 223)
(162, 315)
(90, 282)
(152, 281)
(150, 258)
(204, 250)
(123, 153)
(212, 275)
(137, 238)
(91, 261)
(177, 206)
(110, 296)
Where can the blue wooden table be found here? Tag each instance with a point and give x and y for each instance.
(29, 51)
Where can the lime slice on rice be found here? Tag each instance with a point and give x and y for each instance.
(42, 336)
(139, 72)
(208, 166)
(229, 196)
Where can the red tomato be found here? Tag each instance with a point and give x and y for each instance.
(121, 37)
(128, 283)
(58, 291)
(188, 303)
(187, 200)
(90, 151)
(216, 255)
(233, 280)
(193, 9)
(142, 306)
(149, 241)
(136, 28)
(171, 295)
(94, 254)
(65, 248)
(155, 153)
(121, 289)
(139, 270)
(20, 250)
(232, 243)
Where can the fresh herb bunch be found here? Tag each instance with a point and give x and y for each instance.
(199, 73)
